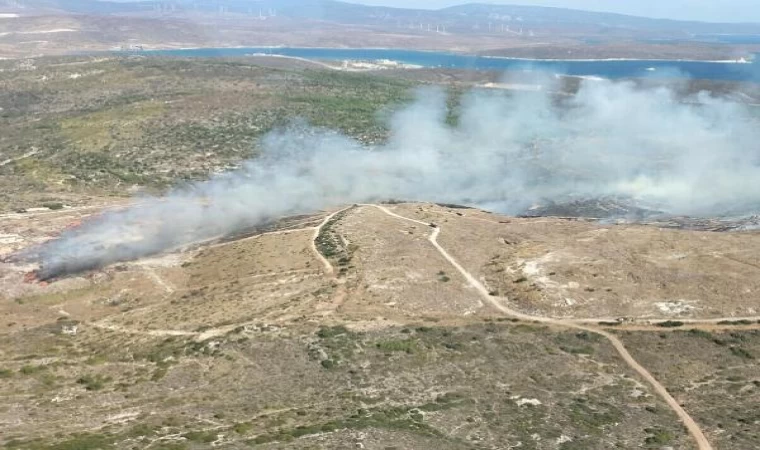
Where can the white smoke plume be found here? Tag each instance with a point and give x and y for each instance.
(508, 151)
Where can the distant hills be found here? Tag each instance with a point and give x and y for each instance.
(473, 17)
(493, 30)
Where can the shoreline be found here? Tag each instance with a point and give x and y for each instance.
(169, 48)
(345, 64)
(459, 53)
(712, 61)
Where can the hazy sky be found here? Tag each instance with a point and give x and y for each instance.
(705, 10)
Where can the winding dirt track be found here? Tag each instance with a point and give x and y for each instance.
(496, 302)
(694, 429)
(329, 269)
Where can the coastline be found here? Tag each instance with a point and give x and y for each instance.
(275, 47)
(370, 58)
(655, 60)
(170, 48)
(459, 53)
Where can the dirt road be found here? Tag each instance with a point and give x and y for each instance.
(694, 429)
(329, 269)
(154, 333)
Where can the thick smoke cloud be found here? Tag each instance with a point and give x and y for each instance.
(508, 152)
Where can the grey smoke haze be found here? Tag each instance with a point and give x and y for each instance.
(507, 153)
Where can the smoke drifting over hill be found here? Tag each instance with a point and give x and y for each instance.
(507, 152)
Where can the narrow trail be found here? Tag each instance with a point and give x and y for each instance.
(151, 273)
(341, 292)
(154, 333)
(19, 158)
(169, 290)
(496, 302)
(637, 324)
(666, 325)
(64, 211)
(329, 269)
(685, 320)
(694, 429)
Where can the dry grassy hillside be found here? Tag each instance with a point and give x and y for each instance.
(83, 127)
(384, 326)
(355, 330)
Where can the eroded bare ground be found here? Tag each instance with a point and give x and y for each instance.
(580, 269)
(251, 341)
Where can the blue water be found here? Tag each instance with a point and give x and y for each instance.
(605, 69)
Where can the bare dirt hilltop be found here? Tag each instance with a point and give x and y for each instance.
(408, 325)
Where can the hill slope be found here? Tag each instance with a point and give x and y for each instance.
(406, 325)
(461, 16)
(499, 30)
(367, 326)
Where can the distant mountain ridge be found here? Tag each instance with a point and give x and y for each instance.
(493, 30)
(461, 16)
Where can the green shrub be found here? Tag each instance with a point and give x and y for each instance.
(85, 441)
(658, 437)
(736, 322)
(670, 324)
(93, 382)
(205, 437)
(31, 370)
(741, 353)
(583, 350)
(406, 345)
(242, 428)
(328, 332)
(159, 373)
(700, 333)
